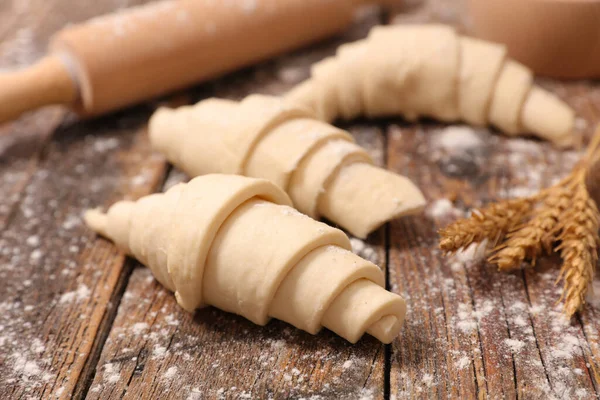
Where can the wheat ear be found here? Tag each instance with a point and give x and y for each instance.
(491, 222)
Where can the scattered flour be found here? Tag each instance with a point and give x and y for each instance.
(428, 380)
(111, 374)
(593, 295)
(171, 320)
(291, 74)
(366, 394)
(278, 344)
(364, 250)
(518, 145)
(486, 308)
(443, 208)
(514, 345)
(82, 293)
(25, 367)
(139, 328)
(472, 255)
(466, 322)
(159, 351)
(537, 309)
(170, 373)
(36, 255)
(33, 241)
(37, 346)
(458, 139)
(582, 394)
(519, 321)
(19, 50)
(468, 319)
(102, 145)
(71, 222)
(463, 362)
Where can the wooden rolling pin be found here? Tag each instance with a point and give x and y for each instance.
(142, 52)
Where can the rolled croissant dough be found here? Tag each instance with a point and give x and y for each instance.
(429, 70)
(318, 165)
(235, 243)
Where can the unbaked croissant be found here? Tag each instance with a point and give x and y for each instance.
(430, 70)
(318, 165)
(235, 243)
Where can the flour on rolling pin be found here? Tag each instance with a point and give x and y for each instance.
(142, 52)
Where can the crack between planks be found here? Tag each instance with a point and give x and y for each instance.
(86, 377)
(258, 377)
(512, 355)
(141, 355)
(447, 337)
(537, 344)
(524, 277)
(589, 358)
(387, 349)
(138, 359)
(372, 367)
(88, 372)
(477, 391)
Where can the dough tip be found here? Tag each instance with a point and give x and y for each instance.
(96, 220)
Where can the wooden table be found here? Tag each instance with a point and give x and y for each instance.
(78, 319)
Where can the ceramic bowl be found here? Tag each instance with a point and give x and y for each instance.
(557, 38)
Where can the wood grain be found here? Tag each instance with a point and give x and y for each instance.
(488, 334)
(58, 282)
(54, 303)
(77, 319)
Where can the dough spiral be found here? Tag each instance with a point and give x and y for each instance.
(318, 165)
(430, 70)
(235, 243)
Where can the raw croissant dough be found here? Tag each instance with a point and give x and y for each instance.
(235, 243)
(319, 165)
(429, 70)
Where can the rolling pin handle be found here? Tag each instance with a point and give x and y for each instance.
(44, 83)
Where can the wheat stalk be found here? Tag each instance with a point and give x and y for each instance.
(491, 222)
(529, 240)
(562, 218)
(579, 242)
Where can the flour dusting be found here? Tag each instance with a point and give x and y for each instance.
(514, 345)
(82, 293)
(364, 250)
(170, 373)
(443, 208)
(458, 138)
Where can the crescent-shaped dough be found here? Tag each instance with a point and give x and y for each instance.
(318, 165)
(430, 70)
(235, 243)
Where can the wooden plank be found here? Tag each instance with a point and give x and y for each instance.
(485, 333)
(155, 348)
(57, 282)
(52, 301)
(521, 348)
(438, 353)
(566, 350)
